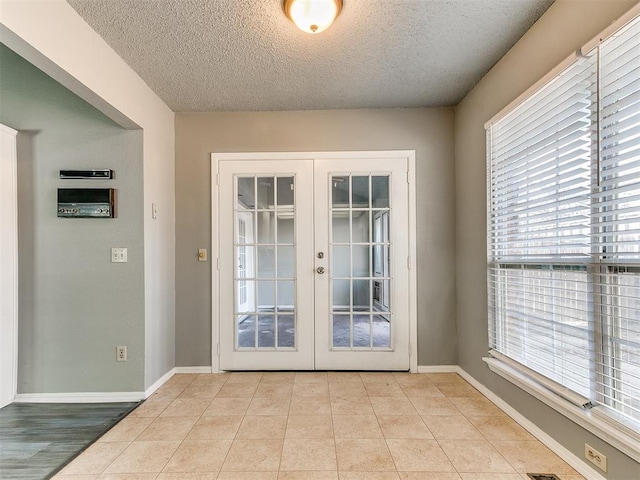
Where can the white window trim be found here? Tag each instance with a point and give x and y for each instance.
(595, 420)
(606, 424)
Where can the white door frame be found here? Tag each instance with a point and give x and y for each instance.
(8, 265)
(406, 155)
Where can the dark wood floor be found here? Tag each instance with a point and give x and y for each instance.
(38, 439)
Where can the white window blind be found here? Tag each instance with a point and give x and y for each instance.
(616, 223)
(539, 232)
(564, 227)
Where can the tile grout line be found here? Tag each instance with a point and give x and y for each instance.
(333, 427)
(383, 436)
(187, 434)
(465, 416)
(191, 429)
(286, 427)
(131, 443)
(487, 440)
(235, 436)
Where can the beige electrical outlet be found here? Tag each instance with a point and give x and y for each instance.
(595, 457)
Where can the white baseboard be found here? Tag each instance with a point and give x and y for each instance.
(158, 383)
(438, 369)
(80, 397)
(162, 380)
(192, 370)
(105, 397)
(566, 455)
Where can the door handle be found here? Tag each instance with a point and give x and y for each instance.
(320, 270)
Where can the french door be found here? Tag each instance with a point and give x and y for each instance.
(313, 264)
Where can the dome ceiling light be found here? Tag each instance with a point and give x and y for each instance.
(312, 16)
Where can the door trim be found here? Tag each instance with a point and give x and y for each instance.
(9, 271)
(399, 155)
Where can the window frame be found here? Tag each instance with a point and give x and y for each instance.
(601, 420)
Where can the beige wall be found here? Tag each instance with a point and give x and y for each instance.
(427, 131)
(564, 28)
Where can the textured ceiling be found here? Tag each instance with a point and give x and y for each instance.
(241, 55)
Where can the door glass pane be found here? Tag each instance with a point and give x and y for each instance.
(361, 296)
(286, 331)
(260, 300)
(266, 296)
(266, 331)
(341, 330)
(378, 263)
(361, 331)
(361, 256)
(381, 331)
(360, 276)
(266, 262)
(244, 266)
(360, 192)
(341, 261)
(246, 193)
(244, 230)
(244, 296)
(340, 192)
(380, 192)
(285, 193)
(266, 227)
(340, 227)
(341, 296)
(286, 295)
(381, 291)
(380, 226)
(360, 226)
(266, 193)
(285, 227)
(286, 262)
(246, 328)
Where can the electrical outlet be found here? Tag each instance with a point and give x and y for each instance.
(121, 354)
(595, 457)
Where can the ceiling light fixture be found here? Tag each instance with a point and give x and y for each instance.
(312, 16)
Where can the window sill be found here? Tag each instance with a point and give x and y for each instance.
(595, 420)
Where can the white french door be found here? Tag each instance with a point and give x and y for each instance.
(354, 331)
(313, 264)
(266, 314)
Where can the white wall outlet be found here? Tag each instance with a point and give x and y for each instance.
(202, 254)
(121, 354)
(595, 457)
(118, 255)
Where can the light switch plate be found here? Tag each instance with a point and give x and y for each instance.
(119, 255)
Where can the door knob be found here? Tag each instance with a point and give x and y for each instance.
(320, 270)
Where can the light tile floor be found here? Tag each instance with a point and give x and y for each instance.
(333, 426)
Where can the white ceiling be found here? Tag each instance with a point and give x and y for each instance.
(242, 55)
